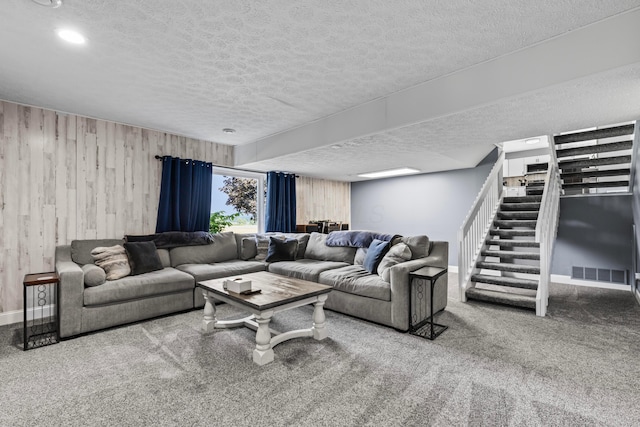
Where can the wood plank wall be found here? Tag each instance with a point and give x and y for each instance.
(65, 177)
(318, 199)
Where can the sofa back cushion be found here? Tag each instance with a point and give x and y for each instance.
(223, 248)
(419, 245)
(316, 249)
(165, 259)
(81, 249)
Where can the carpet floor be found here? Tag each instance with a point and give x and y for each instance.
(494, 366)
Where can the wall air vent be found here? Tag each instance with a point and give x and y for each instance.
(605, 275)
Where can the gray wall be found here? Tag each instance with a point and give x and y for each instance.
(594, 231)
(434, 204)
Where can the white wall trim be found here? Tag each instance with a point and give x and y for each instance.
(453, 269)
(11, 317)
(567, 280)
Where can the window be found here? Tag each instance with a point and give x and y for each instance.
(237, 201)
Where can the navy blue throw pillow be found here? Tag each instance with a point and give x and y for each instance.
(143, 257)
(375, 253)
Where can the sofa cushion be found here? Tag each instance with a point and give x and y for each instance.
(419, 245)
(233, 267)
(223, 248)
(397, 254)
(306, 269)
(113, 260)
(303, 241)
(361, 253)
(93, 275)
(248, 248)
(354, 279)
(128, 288)
(81, 249)
(316, 249)
(262, 247)
(143, 257)
(282, 250)
(165, 259)
(375, 253)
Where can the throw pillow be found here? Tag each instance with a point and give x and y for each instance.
(361, 253)
(143, 257)
(375, 253)
(397, 254)
(282, 250)
(262, 248)
(248, 248)
(113, 260)
(93, 275)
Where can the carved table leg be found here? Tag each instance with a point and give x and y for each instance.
(319, 330)
(263, 352)
(209, 321)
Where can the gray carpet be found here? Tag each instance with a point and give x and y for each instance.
(494, 366)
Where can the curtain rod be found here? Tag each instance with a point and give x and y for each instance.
(228, 167)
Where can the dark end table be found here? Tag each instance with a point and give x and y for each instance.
(426, 328)
(40, 308)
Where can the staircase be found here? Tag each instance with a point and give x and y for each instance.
(595, 161)
(511, 250)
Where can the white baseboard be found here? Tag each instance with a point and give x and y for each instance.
(17, 316)
(11, 317)
(453, 269)
(567, 280)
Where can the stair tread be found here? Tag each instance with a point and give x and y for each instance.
(512, 282)
(507, 232)
(518, 214)
(515, 268)
(594, 134)
(518, 243)
(601, 184)
(487, 295)
(522, 199)
(603, 161)
(510, 223)
(510, 254)
(595, 148)
(595, 173)
(521, 207)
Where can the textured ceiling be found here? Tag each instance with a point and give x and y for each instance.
(194, 67)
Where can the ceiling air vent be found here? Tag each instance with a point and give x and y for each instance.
(49, 3)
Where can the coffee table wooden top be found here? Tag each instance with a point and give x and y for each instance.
(275, 290)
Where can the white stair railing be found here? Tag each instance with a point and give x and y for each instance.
(547, 228)
(475, 228)
(634, 156)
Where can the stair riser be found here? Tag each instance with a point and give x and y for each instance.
(519, 207)
(474, 294)
(514, 223)
(574, 164)
(592, 149)
(518, 215)
(594, 134)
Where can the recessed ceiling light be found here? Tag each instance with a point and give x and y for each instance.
(532, 141)
(72, 36)
(228, 130)
(49, 3)
(388, 173)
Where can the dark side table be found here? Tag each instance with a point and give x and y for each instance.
(41, 319)
(426, 328)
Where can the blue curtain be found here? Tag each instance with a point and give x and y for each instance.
(281, 202)
(185, 195)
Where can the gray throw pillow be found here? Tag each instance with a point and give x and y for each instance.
(397, 254)
(93, 275)
(361, 253)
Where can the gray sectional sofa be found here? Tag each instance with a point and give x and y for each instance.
(172, 289)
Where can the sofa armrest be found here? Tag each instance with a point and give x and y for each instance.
(400, 286)
(71, 292)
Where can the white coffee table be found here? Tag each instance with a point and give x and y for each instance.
(278, 293)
